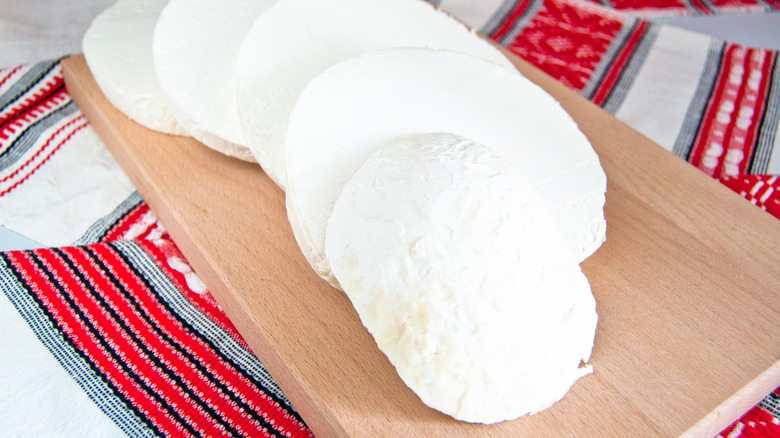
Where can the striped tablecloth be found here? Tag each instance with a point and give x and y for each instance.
(108, 331)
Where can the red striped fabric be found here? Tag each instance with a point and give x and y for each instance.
(689, 7)
(53, 143)
(131, 225)
(731, 120)
(566, 40)
(510, 19)
(761, 190)
(31, 96)
(629, 5)
(39, 99)
(619, 62)
(176, 381)
(7, 73)
(141, 225)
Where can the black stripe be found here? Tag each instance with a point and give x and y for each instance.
(53, 339)
(598, 76)
(178, 347)
(148, 283)
(71, 343)
(26, 83)
(521, 22)
(105, 345)
(694, 117)
(26, 140)
(615, 47)
(626, 77)
(707, 8)
(768, 7)
(140, 344)
(767, 127)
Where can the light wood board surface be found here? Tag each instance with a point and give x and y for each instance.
(686, 287)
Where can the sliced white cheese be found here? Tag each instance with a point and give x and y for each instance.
(357, 106)
(195, 47)
(118, 50)
(453, 265)
(294, 40)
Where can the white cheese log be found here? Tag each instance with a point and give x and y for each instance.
(195, 47)
(359, 105)
(453, 265)
(294, 40)
(118, 50)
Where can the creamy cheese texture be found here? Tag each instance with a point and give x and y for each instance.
(454, 266)
(359, 105)
(195, 47)
(294, 40)
(118, 50)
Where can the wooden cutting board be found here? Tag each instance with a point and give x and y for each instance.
(687, 288)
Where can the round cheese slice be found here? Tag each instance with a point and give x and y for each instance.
(118, 50)
(357, 106)
(195, 47)
(452, 263)
(294, 40)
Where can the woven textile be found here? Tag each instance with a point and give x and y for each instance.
(135, 327)
(56, 177)
(689, 7)
(121, 310)
(716, 104)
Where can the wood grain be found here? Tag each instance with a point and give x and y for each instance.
(686, 288)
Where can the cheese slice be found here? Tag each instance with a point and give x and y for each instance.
(195, 47)
(453, 265)
(294, 40)
(357, 106)
(118, 50)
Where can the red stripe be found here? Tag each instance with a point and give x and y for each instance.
(43, 98)
(41, 150)
(761, 190)
(730, 124)
(758, 97)
(246, 390)
(145, 362)
(710, 112)
(510, 20)
(11, 72)
(45, 159)
(74, 328)
(619, 63)
(742, 5)
(132, 220)
(163, 250)
(158, 244)
(729, 128)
